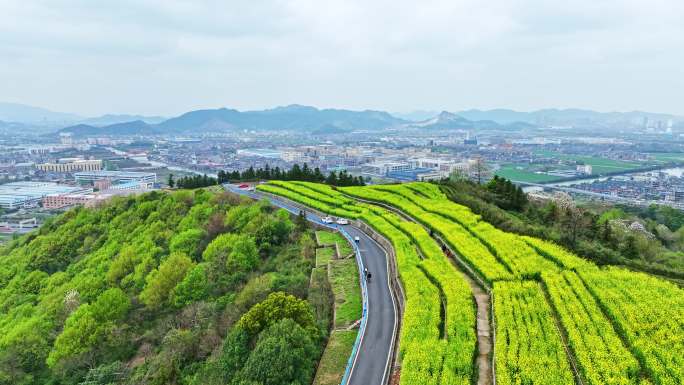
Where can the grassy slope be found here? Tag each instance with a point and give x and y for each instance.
(345, 287)
(329, 238)
(334, 360)
(324, 255)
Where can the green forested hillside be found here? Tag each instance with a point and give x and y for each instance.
(182, 288)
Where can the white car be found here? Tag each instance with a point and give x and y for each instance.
(327, 220)
(342, 221)
(357, 240)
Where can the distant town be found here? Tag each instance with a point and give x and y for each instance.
(47, 171)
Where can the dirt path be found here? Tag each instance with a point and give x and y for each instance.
(482, 299)
(484, 335)
(484, 339)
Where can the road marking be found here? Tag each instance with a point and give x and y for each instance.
(389, 287)
(394, 309)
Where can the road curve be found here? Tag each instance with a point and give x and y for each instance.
(375, 352)
(371, 364)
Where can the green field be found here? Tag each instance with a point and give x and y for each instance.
(667, 157)
(600, 166)
(513, 173)
(334, 360)
(560, 319)
(347, 291)
(324, 255)
(326, 238)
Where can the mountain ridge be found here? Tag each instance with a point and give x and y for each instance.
(308, 119)
(292, 117)
(564, 116)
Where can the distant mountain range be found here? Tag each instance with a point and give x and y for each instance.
(336, 121)
(449, 121)
(10, 127)
(20, 113)
(39, 119)
(416, 116)
(293, 117)
(316, 121)
(567, 117)
(109, 119)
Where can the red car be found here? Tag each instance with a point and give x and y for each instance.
(244, 185)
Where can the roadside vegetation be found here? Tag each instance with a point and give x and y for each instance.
(650, 239)
(342, 276)
(344, 280)
(334, 360)
(328, 238)
(559, 317)
(296, 173)
(189, 287)
(437, 340)
(324, 255)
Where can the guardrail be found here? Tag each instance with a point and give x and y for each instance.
(364, 314)
(294, 208)
(399, 298)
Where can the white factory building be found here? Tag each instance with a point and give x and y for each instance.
(28, 194)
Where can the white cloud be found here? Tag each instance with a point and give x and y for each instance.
(168, 56)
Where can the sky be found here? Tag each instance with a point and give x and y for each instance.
(165, 57)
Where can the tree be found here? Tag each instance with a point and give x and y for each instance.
(192, 288)
(112, 305)
(234, 352)
(269, 230)
(458, 175)
(284, 354)
(508, 195)
(480, 169)
(606, 233)
(275, 307)
(318, 176)
(235, 252)
(301, 223)
(331, 179)
(295, 173)
(160, 282)
(188, 242)
(89, 325)
(572, 220)
(306, 173)
(222, 177)
(629, 249)
(170, 182)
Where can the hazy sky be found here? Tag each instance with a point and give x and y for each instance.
(165, 57)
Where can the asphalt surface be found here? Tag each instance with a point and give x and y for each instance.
(376, 344)
(374, 352)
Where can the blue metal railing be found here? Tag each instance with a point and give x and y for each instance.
(364, 313)
(359, 263)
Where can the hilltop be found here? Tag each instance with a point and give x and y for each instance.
(188, 287)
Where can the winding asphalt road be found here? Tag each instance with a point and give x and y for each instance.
(375, 351)
(371, 363)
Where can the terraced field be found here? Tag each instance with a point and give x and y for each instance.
(437, 340)
(559, 319)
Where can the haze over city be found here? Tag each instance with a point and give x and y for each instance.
(169, 57)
